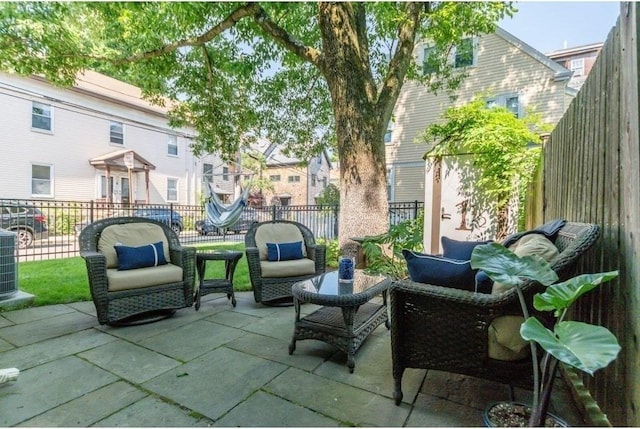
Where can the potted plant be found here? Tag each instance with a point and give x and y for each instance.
(580, 345)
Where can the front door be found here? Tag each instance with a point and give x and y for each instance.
(124, 190)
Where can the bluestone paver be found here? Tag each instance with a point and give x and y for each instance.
(42, 329)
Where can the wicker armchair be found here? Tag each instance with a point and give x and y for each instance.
(142, 302)
(445, 329)
(271, 290)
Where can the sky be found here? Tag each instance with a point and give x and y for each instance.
(547, 25)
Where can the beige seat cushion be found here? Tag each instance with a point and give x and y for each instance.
(298, 267)
(130, 234)
(277, 233)
(505, 342)
(143, 277)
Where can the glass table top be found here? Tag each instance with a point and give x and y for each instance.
(328, 285)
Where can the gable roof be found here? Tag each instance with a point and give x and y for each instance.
(275, 157)
(561, 73)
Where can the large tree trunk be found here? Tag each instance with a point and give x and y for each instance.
(364, 209)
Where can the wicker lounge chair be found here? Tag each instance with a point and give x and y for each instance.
(269, 287)
(446, 329)
(141, 294)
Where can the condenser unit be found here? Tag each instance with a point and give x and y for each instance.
(8, 265)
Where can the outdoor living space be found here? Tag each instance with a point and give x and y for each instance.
(221, 366)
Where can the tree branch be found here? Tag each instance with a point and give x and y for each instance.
(282, 36)
(248, 9)
(390, 89)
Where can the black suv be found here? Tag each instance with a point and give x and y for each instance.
(161, 214)
(25, 220)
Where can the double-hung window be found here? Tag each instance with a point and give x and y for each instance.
(388, 135)
(225, 174)
(41, 180)
(207, 172)
(274, 177)
(510, 101)
(172, 145)
(172, 190)
(464, 54)
(116, 133)
(293, 179)
(41, 116)
(577, 66)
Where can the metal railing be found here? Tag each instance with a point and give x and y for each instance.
(54, 225)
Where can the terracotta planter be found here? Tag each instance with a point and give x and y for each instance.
(515, 414)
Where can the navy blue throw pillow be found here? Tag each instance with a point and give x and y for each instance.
(284, 251)
(483, 283)
(149, 255)
(439, 271)
(461, 250)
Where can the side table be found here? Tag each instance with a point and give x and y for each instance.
(206, 286)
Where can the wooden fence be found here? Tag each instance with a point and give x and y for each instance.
(591, 174)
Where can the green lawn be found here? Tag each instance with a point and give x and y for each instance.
(61, 281)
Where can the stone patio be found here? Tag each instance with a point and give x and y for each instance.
(220, 366)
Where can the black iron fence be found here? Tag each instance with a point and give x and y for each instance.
(49, 229)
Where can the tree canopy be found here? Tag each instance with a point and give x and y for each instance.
(304, 75)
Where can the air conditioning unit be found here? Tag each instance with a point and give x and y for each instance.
(8, 265)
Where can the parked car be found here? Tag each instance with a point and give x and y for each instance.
(161, 214)
(247, 218)
(25, 220)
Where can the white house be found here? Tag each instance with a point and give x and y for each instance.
(98, 140)
(513, 74)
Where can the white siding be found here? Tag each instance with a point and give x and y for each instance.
(81, 132)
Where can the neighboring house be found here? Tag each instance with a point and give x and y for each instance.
(294, 182)
(579, 60)
(98, 140)
(515, 75)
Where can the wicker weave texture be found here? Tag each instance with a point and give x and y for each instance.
(446, 329)
(114, 307)
(268, 289)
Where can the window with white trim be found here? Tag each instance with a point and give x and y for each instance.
(465, 54)
(313, 179)
(116, 132)
(172, 145)
(225, 174)
(207, 172)
(293, 179)
(274, 178)
(172, 190)
(41, 180)
(41, 116)
(390, 179)
(510, 101)
(577, 66)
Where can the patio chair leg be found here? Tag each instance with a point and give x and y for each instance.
(397, 392)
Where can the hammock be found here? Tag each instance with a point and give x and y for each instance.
(224, 215)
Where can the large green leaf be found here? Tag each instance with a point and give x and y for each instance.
(504, 266)
(581, 345)
(561, 295)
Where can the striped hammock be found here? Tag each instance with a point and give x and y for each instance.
(224, 215)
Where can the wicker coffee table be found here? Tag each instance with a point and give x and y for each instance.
(347, 316)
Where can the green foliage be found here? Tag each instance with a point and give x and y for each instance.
(333, 251)
(330, 196)
(64, 220)
(500, 162)
(580, 345)
(384, 252)
(230, 68)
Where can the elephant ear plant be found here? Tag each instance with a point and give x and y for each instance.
(580, 345)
